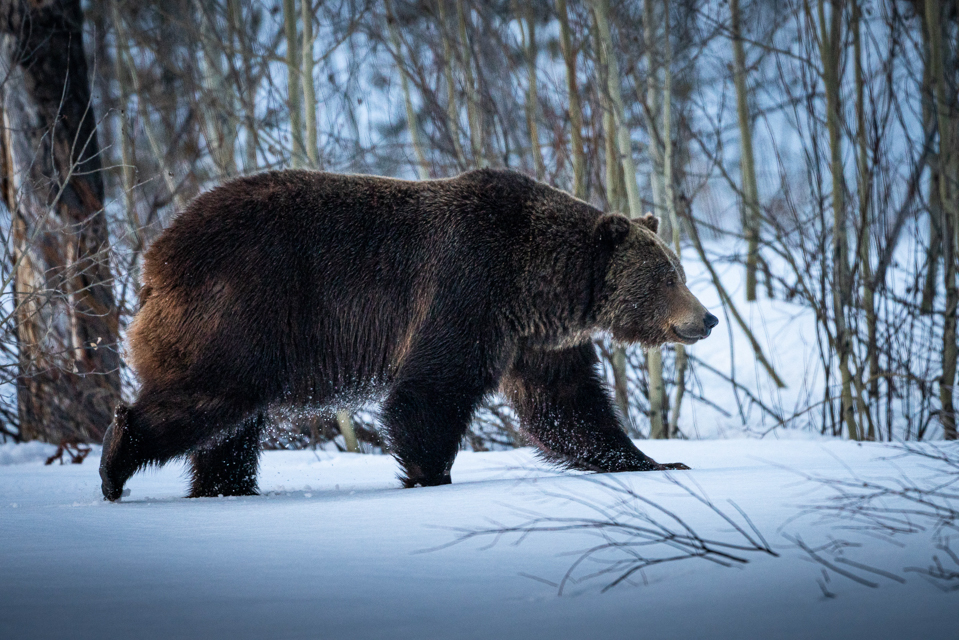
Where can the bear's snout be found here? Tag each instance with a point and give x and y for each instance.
(689, 321)
(709, 321)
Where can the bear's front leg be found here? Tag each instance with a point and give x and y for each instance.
(566, 410)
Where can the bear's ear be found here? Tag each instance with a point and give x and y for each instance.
(650, 221)
(611, 229)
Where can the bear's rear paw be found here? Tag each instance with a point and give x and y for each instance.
(223, 491)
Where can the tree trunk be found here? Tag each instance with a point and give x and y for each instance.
(127, 167)
(751, 215)
(66, 318)
(422, 168)
(159, 156)
(681, 360)
(241, 39)
(624, 140)
(614, 201)
(532, 96)
(864, 181)
(293, 83)
(949, 202)
(930, 286)
(575, 110)
(345, 423)
(473, 112)
(309, 91)
(452, 112)
(830, 43)
(218, 115)
(654, 357)
(652, 106)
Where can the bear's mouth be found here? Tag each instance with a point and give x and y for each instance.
(687, 339)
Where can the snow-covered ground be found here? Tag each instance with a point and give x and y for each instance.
(333, 549)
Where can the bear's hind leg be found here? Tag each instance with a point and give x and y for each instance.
(229, 467)
(159, 426)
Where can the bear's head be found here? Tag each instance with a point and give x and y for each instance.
(644, 297)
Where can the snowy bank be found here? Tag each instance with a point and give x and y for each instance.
(333, 549)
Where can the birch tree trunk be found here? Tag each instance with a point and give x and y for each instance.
(623, 138)
(751, 215)
(159, 156)
(473, 112)
(66, 317)
(614, 199)
(575, 109)
(241, 38)
(219, 127)
(532, 96)
(681, 360)
(452, 111)
(309, 91)
(127, 166)
(931, 286)
(422, 168)
(293, 83)
(949, 200)
(652, 104)
(654, 355)
(830, 43)
(864, 182)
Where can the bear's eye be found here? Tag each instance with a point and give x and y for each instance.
(671, 282)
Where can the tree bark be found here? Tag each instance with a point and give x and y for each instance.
(830, 43)
(452, 111)
(652, 106)
(309, 91)
(219, 111)
(864, 183)
(473, 112)
(624, 139)
(680, 350)
(66, 317)
(747, 164)
(422, 168)
(293, 83)
(949, 201)
(614, 201)
(159, 156)
(575, 109)
(532, 95)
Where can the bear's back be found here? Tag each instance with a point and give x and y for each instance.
(299, 264)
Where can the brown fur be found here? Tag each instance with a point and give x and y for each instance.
(302, 288)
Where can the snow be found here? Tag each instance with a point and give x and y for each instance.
(13, 453)
(333, 549)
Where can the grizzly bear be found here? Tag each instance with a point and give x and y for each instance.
(299, 288)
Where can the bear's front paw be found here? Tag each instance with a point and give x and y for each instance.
(422, 481)
(678, 466)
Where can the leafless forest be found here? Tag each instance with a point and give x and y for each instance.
(804, 152)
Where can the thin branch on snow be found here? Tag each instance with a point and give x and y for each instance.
(886, 508)
(634, 533)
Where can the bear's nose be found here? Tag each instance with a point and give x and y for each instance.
(710, 321)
